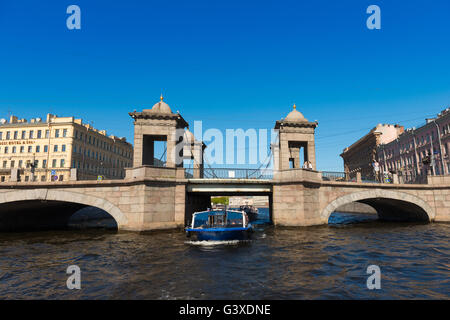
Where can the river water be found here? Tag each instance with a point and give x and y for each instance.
(324, 262)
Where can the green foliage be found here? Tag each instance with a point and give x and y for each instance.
(220, 200)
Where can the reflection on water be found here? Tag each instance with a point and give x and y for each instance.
(324, 262)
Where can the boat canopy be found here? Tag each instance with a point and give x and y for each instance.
(220, 218)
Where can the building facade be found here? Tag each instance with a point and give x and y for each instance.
(360, 156)
(60, 149)
(419, 151)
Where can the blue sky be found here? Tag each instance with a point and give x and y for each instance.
(232, 64)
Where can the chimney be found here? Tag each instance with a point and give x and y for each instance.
(50, 117)
(13, 119)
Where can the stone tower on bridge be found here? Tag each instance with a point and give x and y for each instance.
(160, 124)
(296, 134)
(156, 124)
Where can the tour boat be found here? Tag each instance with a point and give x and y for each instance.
(220, 225)
(251, 212)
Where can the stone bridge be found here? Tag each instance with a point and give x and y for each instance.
(152, 198)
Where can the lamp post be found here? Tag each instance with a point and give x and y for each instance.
(33, 167)
(440, 148)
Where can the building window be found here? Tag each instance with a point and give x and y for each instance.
(13, 163)
(8, 135)
(44, 164)
(30, 149)
(55, 148)
(1, 135)
(62, 163)
(14, 150)
(22, 149)
(54, 163)
(6, 149)
(31, 134)
(64, 133)
(23, 134)
(61, 177)
(3, 179)
(5, 163)
(45, 148)
(42, 178)
(47, 133)
(15, 135)
(63, 148)
(38, 149)
(39, 134)
(20, 163)
(57, 133)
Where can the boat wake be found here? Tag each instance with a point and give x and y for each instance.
(216, 242)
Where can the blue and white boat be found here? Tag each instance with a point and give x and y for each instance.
(220, 225)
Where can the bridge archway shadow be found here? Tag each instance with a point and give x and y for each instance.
(49, 209)
(38, 215)
(392, 206)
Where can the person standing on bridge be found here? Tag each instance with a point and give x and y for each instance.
(376, 169)
(307, 165)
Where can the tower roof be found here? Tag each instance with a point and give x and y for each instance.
(160, 111)
(295, 119)
(160, 107)
(295, 115)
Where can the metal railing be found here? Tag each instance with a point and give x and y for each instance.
(333, 176)
(232, 173)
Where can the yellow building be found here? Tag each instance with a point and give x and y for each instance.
(60, 148)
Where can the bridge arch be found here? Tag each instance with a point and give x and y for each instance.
(52, 195)
(381, 200)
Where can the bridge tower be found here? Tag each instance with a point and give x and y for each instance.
(296, 134)
(157, 124)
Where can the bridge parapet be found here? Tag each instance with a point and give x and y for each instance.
(297, 175)
(149, 172)
(439, 180)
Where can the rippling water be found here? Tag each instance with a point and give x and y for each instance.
(326, 262)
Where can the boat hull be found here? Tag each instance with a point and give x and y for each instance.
(225, 234)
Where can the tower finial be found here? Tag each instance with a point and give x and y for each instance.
(295, 106)
(161, 97)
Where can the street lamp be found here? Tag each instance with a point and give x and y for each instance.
(440, 147)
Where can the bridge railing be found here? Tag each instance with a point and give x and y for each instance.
(333, 176)
(232, 173)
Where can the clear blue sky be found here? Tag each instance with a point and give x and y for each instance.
(232, 64)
